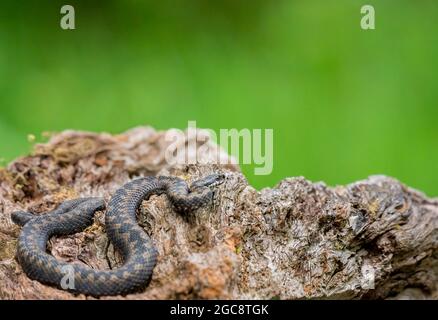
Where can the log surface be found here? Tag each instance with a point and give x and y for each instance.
(375, 238)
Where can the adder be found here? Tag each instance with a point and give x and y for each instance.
(138, 252)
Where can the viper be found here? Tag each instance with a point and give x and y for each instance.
(136, 247)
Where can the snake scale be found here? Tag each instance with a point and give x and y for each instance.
(138, 252)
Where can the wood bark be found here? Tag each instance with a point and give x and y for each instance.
(375, 238)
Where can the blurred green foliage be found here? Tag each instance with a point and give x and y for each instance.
(344, 103)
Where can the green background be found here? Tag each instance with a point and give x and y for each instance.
(344, 103)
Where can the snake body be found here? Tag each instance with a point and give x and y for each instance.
(138, 252)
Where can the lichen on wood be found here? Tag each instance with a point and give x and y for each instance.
(375, 238)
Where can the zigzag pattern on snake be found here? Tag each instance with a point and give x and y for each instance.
(138, 252)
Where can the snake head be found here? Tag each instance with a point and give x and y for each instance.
(210, 181)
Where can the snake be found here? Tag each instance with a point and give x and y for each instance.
(139, 255)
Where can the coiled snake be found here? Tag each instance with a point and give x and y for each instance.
(138, 252)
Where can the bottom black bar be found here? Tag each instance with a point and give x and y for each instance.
(234, 309)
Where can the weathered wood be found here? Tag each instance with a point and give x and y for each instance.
(371, 239)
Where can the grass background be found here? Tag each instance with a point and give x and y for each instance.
(344, 103)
